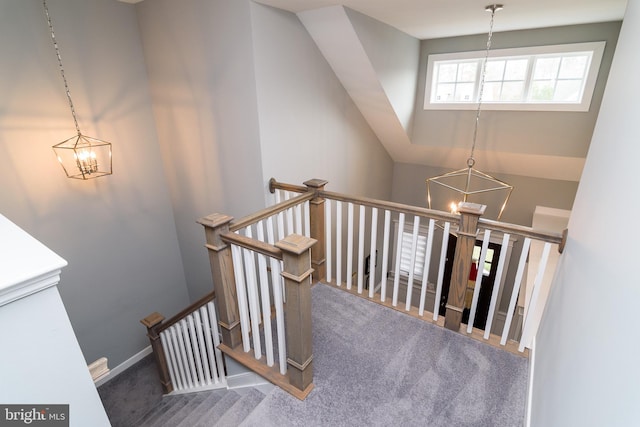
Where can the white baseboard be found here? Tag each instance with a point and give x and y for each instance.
(532, 360)
(124, 366)
(245, 379)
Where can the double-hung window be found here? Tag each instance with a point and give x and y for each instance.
(546, 78)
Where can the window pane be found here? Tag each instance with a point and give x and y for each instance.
(546, 68)
(542, 90)
(516, 69)
(573, 67)
(447, 72)
(491, 91)
(467, 72)
(444, 92)
(464, 91)
(512, 91)
(568, 91)
(495, 70)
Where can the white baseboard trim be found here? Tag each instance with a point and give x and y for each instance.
(124, 366)
(245, 379)
(532, 360)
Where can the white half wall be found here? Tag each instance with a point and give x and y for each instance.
(587, 348)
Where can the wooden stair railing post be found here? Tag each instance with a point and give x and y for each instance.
(470, 213)
(316, 214)
(224, 282)
(152, 323)
(297, 278)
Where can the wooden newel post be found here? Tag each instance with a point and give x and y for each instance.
(152, 323)
(297, 278)
(467, 231)
(224, 282)
(316, 213)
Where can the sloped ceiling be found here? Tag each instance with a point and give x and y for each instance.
(348, 48)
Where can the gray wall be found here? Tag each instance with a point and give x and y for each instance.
(309, 126)
(116, 232)
(586, 359)
(545, 133)
(395, 56)
(409, 187)
(200, 65)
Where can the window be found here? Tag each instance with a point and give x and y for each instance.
(552, 78)
(405, 256)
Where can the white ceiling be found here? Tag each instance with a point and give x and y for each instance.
(426, 19)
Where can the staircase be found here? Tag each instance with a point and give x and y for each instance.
(210, 408)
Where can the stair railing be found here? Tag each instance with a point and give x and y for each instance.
(185, 348)
(258, 263)
(347, 244)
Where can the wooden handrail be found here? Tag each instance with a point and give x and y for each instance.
(275, 185)
(184, 313)
(272, 210)
(252, 244)
(399, 207)
(520, 230)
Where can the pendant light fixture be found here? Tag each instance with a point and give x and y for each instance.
(81, 156)
(469, 182)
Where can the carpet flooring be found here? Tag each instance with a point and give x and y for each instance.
(373, 366)
(378, 367)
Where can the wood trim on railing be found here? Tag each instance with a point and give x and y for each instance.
(272, 210)
(275, 185)
(392, 206)
(187, 311)
(521, 230)
(252, 244)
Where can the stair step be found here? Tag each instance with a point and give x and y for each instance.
(166, 408)
(208, 416)
(195, 400)
(250, 399)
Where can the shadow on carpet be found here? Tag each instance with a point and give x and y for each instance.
(374, 366)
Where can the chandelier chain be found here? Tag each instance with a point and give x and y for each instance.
(471, 160)
(64, 78)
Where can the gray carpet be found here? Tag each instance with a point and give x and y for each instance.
(377, 367)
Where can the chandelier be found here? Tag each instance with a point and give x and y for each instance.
(468, 183)
(81, 156)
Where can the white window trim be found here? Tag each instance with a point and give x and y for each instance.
(596, 47)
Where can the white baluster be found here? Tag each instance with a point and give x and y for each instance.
(496, 285)
(276, 279)
(361, 228)
(171, 361)
(175, 344)
(198, 373)
(516, 290)
(213, 319)
(476, 291)
(528, 324)
(187, 361)
(243, 306)
(372, 251)
(412, 263)
(202, 352)
(385, 255)
(396, 279)
(443, 260)
(327, 220)
(426, 265)
(252, 293)
(298, 209)
(290, 222)
(266, 301)
(307, 219)
(349, 245)
(338, 243)
(208, 333)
